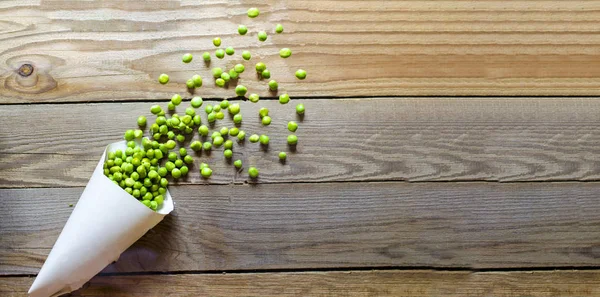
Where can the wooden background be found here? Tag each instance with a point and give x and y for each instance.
(449, 148)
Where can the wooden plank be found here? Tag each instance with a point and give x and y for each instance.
(414, 139)
(331, 225)
(417, 283)
(94, 50)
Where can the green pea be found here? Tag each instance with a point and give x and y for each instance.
(176, 173)
(178, 163)
(175, 121)
(237, 118)
(171, 106)
(156, 136)
(285, 52)
(211, 117)
(273, 86)
(262, 35)
(159, 199)
(217, 107)
(152, 174)
(190, 84)
(187, 58)
(129, 135)
(260, 67)
(206, 172)
(240, 90)
(176, 99)
(278, 28)
(163, 130)
(150, 153)
(206, 56)
(172, 156)
(220, 82)
(242, 29)
(190, 111)
(197, 120)
(228, 154)
(266, 74)
(217, 41)
(220, 115)
(241, 136)
(229, 51)
(196, 145)
(253, 172)
(233, 74)
(292, 126)
(161, 120)
(220, 53)
(224, 104)
(138, 133)
(158, 154)
(197, 80)
(217, 71)
(264, 139)
(141, 120)
(239, 68)
(284, 98)
(300, 74)
(263, 112)
(148, 197)
(282, 156)
(170, 144)
(246, 55)
(228, 144)
(224, 131)
(196, 102)
(203, 130)
(237, 164)
(162, 171)
(266, 120)
(117, 176)
(292, 139)
(253, 12)
(225, 76)
(218, 141)
(182, 152)
(234, 108)
(254, 138)
(203, 165)
(188, 159)
(300, 109)
(253, 98)
(161, 191)
(180, 138)
(234, 131)
(146, 202)
(207, 146)
(208, 109)
(184, 170)
(161, 113)
(163, 79)
(164, 182)
(155, 109)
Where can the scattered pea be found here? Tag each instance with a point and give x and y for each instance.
(176, 173)
(253, 98)
(171, 106)
(240, 90)
(187, 58)
(254, 138)
(216, 107)
(182, 152)
(242, 29)
(300, 74)
(292, 139)
(176, 99)
(284, 98)
(155, 109)
(262, 35)
(292, 126)
(225, 76)
(235, 108)
(196, 102)
(207, 146)
(220, 82)
(266, 120)
(190, 84)
(211, 117)
(217, 41)
(217, 71)
(129, 135)
(203, 130)
(300, 109)
(228, 144)
(163, 79)
(170, 144)
(229, 51)
(180, 138)
(233, 74)
(253, 12)
(178, 163)
(218, 141)
(220, 53)
(184, 170)
(141, 120)
(237, 164)
(188, 159)
(197, 80)
(264, 139)
(203, 165)
(273, 85)
(260, 67)
(237, 118)
(196, 145)
(208, 109)
(246, 55)
(253, 172)
(278, 28)
(263, 112)
(206, 172)
(266, 74)
(220, 115)
(285, 52)
(228, 154)
(239, 68)
(234, 131)
(282, 156)
(206, 56)
(224, 131)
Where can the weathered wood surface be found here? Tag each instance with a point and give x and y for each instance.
(115, 50)
(418, 283)
(414, 139)
(332, 225)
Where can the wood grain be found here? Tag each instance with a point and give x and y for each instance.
(417, 283)
(413, 139)
(332, 225)
(115, 50)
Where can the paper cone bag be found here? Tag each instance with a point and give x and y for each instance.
(105, 222)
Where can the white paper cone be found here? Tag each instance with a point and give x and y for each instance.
(105, 222)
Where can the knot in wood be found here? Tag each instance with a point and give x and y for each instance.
(26, 70)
